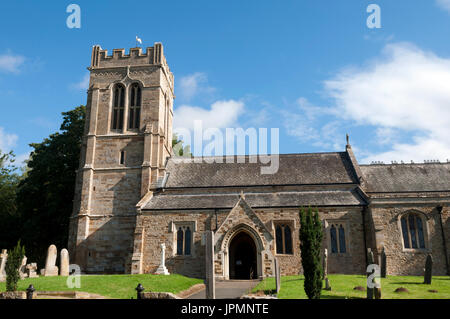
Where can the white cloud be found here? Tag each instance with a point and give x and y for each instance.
(407, 89)
(11, 63)
(83, 84)
(444, 4)
(403, 95)
(7, 141)
(221, 114)
(194, 84)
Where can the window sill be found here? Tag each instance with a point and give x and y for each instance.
(183, 256)
(339, 255)
(416, 250)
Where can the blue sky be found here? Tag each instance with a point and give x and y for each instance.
(313, 69)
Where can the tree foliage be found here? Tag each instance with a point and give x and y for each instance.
(13, 263)
(310, 247)
(9, 181)
(45, 195)
(179, 149)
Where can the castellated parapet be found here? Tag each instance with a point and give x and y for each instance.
(135, 58)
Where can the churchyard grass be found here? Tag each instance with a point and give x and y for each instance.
(113, 286)
(342, 287)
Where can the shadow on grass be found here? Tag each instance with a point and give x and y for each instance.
(338, 297)
(407, 283)
(448, 278)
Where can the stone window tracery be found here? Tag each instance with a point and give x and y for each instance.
(337, 237)
(183, 237)
(413, 232)
(283, 239)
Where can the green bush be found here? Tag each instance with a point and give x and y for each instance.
(310, 247)
(13, 263)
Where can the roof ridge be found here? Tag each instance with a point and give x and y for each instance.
(256, 155)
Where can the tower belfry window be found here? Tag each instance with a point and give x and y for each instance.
(118, 107)
(135, 106)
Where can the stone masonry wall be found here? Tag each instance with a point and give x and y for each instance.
(402, 261)
(157, 231)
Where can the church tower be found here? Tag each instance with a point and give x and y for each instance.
(127, 139)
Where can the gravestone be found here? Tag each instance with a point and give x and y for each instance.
(31, 270)
(325, 263)
(3, 258)
(370, 261)
(22, 269)
(210, 281)
(64, 263)
(428, 270)
(50, 264)
(162, 270)
(325, 270)
(383, 263)
(277, 275)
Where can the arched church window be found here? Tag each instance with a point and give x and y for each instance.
(118, 107)
(287, 240)
(412, 231)
(342, 247)
(187, 241)
(283, 239)
(337, 238)
(184, 240)
(180, 236)
(135, 106)
(279, 239)
(333, 235)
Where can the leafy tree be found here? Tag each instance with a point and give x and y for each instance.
(13, 262)
(45, 195)
(178, 149)
(9, 180)
(310, 246)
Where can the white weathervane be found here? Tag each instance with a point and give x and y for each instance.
(138, 40)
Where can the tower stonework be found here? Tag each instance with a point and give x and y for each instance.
(127, 139)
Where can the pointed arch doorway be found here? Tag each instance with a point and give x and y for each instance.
(243, 257)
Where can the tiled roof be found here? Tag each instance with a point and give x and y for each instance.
(406, 177)
(255, 200)
(294, 169)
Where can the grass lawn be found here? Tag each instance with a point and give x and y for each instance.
(342, 287)
(113, 286)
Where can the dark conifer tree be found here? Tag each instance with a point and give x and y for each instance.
(310, 247)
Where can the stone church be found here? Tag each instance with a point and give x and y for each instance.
(132, 195)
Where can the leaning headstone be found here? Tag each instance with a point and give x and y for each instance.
(277, 276)
(428, 270)
(383, 263)
(31, 270)
(50, 264)
(3, 258)
(162, 270)
(22, 269)
(209, 264)
(64, 263)
(370, 291)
